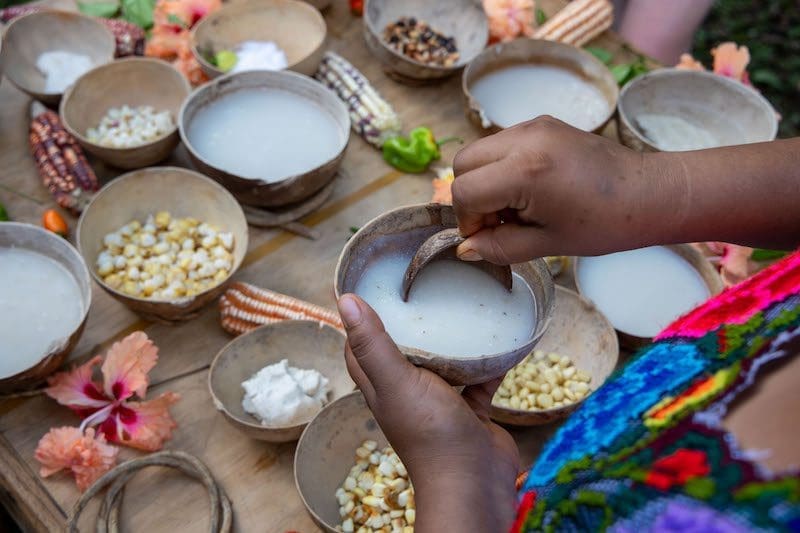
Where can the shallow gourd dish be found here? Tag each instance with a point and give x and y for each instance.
(296, 27)
(35, 239)
(701, 109)
(305, 344)
(464, 20)
(571, 66)
(403, 230)
(580, 332)
(265, 88)
(141, 193)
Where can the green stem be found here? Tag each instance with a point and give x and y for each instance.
(449, 140)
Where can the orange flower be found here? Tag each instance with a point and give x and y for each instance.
(688, 62)
(85, 456)
(144, 425)
(509, 19)
(732, 260)
(731, 61)
(442, 186)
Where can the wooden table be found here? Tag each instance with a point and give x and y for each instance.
(257, 476)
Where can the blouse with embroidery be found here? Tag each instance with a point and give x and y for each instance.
(647, 450)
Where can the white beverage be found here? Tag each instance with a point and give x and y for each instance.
(642, 291)
(41, 306)
(675, 134)
(265, 134)
(519, 93)
(454, 309)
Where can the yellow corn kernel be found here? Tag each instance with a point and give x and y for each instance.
(130, 250)
(113, 281)
(162, 219)
(220, 276)
(130, 287)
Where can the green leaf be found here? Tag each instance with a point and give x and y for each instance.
(766, 77)
(354, 229)
(760, 254)
(172, 18)
(139, 12)
(541, 16)
(621, 73)
(600, 53)
(99, 9)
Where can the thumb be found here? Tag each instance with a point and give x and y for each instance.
(374, 362)
(505, 244)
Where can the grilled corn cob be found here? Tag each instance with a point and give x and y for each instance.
(244, 307)
(129, 37)
(60, 160)
(370, 115)
(578, 23)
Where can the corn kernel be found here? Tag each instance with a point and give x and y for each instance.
(162, 219)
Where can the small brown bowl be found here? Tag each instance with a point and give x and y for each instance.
(31, 35)
(463, 19)
(536, 52)
(732, 112)
(137, 194)
(406, 228)
(326, 453)
(692, 256)
(27, 236)
(291, 189)
(135, 82)
(304, 344)
(296, 27)
(582, 333)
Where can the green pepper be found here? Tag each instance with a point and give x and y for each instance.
(3, 214)
(413, 154)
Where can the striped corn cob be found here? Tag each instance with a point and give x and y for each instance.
(578, 23)
(60, 160)
(244, 307)
(129, 37)
(370, 115)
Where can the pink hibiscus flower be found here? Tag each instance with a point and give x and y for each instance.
(509, 19)
(110, 406)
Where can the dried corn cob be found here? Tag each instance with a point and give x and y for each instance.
(578, 23)
(244, 307)
(129, 37)
(370, 115)
(62, 165)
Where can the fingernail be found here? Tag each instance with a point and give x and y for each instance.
(349, 310)
(465, 253)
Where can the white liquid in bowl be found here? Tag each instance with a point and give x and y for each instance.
(265, 134)
(41, 307)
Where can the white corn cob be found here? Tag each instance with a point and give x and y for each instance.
(578, 23)
(370, 115)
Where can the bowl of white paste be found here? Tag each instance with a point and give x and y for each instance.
(271, 382)
(675, 110)
(458, 321)
(512, 83)
(45, 293)
(642, 291)
(271, 138)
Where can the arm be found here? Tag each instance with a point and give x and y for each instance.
(560, 191)
(663, 30)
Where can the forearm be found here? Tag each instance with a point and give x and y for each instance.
(745, 194)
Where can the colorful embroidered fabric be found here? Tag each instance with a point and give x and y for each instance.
(647, 451)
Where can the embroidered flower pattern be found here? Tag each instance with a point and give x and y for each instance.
(677, 469)
(109, 411)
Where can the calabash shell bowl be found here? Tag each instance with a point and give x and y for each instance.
(29, 36)
(306, 345)
(15, 234)
(729, 110)
(405, 229)
(134, 82)
(291, 189)
(696, 260)
(464, 20)
(326, 453)
(138, 194)
(296, 27)
(582, 333)
(536, 52)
